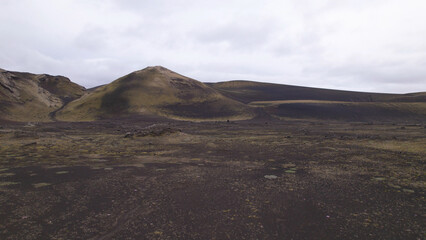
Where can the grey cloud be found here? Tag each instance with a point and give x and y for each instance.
(376, 45)
(92, 39)
(238, 36)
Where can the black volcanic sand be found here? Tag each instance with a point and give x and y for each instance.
(345, 112)
(147, 178)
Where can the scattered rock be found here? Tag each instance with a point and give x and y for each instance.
(152, 132)
(288, 165)
(30, 144)
(128, 135)
(25, 134)
(160, 132)
(31, 124)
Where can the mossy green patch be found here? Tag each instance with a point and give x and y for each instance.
(6, 174)
(406, 190)
(3, 184)
(42, 184)
(394, 186)
(379, 179)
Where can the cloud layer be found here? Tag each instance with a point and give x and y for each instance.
(373, 45)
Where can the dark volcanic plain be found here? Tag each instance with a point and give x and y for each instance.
(154, 178)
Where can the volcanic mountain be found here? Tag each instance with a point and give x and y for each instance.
(34, 97)
(155, 91)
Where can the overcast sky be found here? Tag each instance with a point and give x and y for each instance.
(366, 45)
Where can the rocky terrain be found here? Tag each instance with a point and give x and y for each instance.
(154, 178)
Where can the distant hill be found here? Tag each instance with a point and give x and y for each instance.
(157, 91)
(294, 102)
(34, 97)
(249, 91)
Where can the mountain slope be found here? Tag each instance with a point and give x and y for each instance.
(294, 102)
(349, 111)
(248, 91)
(32, 97)
(158, 91)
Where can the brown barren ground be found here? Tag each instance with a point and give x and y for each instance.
(149, 178)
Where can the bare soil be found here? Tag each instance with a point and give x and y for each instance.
(150, 178)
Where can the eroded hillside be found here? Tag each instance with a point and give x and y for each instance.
(34, 97)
